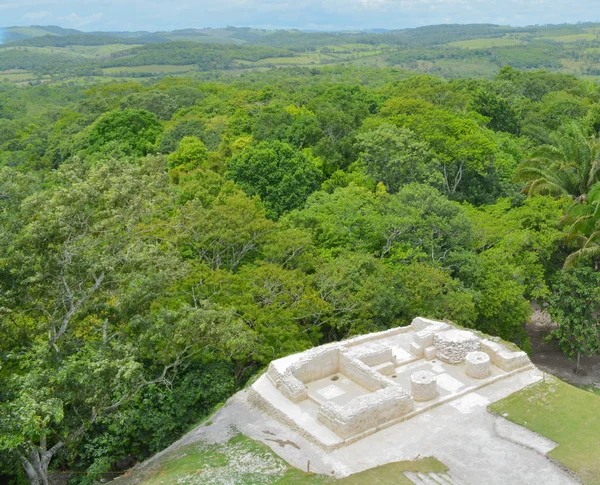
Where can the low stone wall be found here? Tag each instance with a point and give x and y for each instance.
(373, 354)
(316, 365)
(421, 323)
(366, 412)
(503, 357)
(362, 374)
(292, 388)
(313, 365)
(361, 339)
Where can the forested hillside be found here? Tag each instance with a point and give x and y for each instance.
(36, 54)
(162, 242)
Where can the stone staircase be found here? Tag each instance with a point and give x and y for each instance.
(432, 478)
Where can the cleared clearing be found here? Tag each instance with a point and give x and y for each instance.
(564, 414)
(149, 69)
(486, 43)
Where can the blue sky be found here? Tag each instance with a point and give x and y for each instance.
(304, 14)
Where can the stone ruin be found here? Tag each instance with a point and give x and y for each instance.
(339, 393)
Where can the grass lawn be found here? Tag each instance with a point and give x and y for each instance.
(247, 462)
(486, 43)
(571, 38)
(564, 414)
(149, 69)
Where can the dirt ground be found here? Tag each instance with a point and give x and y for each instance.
(549, 358)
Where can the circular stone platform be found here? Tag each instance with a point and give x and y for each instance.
(478, 365)
(423, 386)
(454, 345)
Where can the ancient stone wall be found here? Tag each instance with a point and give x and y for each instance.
(503, 357)
(366, 412)
(362, 374)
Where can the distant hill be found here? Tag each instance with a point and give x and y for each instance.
(51, 53)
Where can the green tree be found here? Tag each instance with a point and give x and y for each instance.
(569, 166)
(574, 305)
(191, 153)
(501, 112)
(583, 222)
(281, 176)
(128, 132)
(396, 157)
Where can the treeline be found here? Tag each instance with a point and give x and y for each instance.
(81, 39)
(161, 243)
(206, 56)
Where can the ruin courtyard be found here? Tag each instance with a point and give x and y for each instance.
(337, 394)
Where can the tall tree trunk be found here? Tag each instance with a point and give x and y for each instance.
(36, 468)
(37, 461)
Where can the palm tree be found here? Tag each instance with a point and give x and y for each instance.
(584, 229)
(568, 167)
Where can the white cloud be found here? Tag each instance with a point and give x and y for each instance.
(37, 15)
(76, 21)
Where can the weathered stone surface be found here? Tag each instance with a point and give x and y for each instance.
(373, 353)
(365, 399)
(416, 349)
(454, 345)
(430, 353)
(387, 368)
(478, 365)
(503, 357)
(421, 323)
(366, 412)
(423, 386)
(362, 374)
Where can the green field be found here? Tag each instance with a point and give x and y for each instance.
(151, 69)
(564, 414)
(572, 38)
(486, 43)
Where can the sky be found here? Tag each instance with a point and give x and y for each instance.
(154, 15)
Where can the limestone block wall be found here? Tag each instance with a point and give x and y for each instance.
(421, 323)
(316, 365)
(366, 412)
(313, 365)
(503, 357)
(362, 374)
(361, 339)
(373, 354)
(274, 375)
(292, 388)
(423, 339)
(454, 345)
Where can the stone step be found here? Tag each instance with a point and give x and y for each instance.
(427, 479)
(453, 480)
(442, 478)
(414, 477)
(432, 478)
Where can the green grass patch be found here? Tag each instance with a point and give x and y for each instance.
(571, 38)
(394, 472)
(17, 77)
(286, 61)
(150, 69)
(486, 43)
(564, 414)
(95, 51)
(247, 462)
